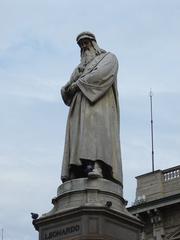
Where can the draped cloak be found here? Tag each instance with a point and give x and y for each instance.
(92, 130)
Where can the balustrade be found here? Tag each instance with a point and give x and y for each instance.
(172, 174)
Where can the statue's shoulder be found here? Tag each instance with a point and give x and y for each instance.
(104, 56)
(102, 59)
(110, 57)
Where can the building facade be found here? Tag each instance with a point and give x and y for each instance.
(157, 204)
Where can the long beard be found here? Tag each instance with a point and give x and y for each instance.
(87, 56)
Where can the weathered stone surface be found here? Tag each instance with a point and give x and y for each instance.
(159, 209)
(89, 203)
(92, 132)
(88, 209)
(89, 223)
(159, 184)
(88, 192)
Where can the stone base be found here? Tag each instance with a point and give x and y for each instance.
(89, 223)
(88, 209)
(88, 192)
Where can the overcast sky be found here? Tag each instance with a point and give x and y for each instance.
(38, 52)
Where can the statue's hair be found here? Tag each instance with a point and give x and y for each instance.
(97, 49)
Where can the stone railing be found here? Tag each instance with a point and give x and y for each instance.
(157, 185)
(171, 173)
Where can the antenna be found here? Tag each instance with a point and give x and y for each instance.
(152, 136)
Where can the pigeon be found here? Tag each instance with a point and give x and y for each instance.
(34, 216)
(108, 204)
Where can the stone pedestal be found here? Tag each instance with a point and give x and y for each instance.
(88, 209)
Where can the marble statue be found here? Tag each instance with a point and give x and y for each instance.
(92, 144)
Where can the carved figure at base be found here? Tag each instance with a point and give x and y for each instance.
(92, 144)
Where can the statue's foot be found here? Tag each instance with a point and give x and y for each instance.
(95, 174)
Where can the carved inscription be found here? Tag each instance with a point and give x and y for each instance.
(59, 233)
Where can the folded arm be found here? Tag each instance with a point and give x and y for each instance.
(95, 83)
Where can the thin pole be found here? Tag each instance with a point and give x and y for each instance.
(2, 233)
(152, 135)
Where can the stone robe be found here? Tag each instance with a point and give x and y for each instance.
(92, 131)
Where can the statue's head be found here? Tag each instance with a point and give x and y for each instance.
(86, 35)
(86, 40)
(89, 48)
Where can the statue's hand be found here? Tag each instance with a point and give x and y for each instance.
(65, 87)
(63, 92)
(73, 88)
(68, 93)
(67, 98)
